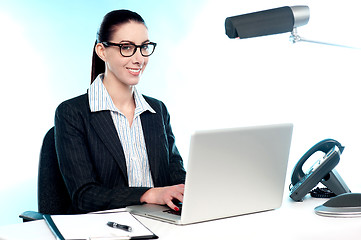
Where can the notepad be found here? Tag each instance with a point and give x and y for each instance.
(94, 226)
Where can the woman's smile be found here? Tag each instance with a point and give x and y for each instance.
(134, 71)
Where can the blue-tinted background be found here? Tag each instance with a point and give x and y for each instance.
(205, 79)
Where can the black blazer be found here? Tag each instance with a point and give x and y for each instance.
(92, 160)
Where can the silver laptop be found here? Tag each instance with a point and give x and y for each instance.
(230, 172)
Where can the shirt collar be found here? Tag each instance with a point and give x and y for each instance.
(100, 100)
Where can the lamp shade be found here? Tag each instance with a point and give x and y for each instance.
(267, 22)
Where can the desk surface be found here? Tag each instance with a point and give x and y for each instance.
(294, 220)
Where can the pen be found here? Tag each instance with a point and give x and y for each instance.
(120, 226)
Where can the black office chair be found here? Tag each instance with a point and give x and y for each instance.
(53, 197)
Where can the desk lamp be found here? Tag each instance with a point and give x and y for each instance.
(269, 22)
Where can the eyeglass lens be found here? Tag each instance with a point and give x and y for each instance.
(128, 50)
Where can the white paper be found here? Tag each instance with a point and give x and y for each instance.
(94, 225)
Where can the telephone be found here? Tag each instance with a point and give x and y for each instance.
(321, 171)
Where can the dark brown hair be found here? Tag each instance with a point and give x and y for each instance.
(110, 21)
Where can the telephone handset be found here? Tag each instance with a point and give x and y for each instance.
(322, 171)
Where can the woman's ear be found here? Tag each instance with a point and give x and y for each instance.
(100, 51)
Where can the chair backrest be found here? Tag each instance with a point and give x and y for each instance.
(53, 197)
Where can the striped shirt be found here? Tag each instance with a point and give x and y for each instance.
(131, 137)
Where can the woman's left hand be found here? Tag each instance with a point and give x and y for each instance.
(164, 195)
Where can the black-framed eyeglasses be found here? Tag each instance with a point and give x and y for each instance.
(129, 49)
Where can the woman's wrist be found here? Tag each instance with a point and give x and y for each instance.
(147, 196)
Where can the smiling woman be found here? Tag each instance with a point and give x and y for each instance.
(115, 146)
(44, 60)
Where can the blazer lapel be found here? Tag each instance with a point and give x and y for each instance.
(104, 127)
(151, 140)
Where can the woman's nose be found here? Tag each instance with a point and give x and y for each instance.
(138, 57)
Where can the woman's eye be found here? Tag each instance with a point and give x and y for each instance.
(145, 47)
(127, 48)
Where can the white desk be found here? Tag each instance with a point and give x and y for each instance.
(294, 220)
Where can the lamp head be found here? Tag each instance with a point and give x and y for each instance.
(267, 22)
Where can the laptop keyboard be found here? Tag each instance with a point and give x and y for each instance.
(171, 211)
(179, 205)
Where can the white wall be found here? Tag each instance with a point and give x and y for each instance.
(206, 79)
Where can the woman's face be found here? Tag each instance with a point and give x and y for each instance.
(127, 70)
